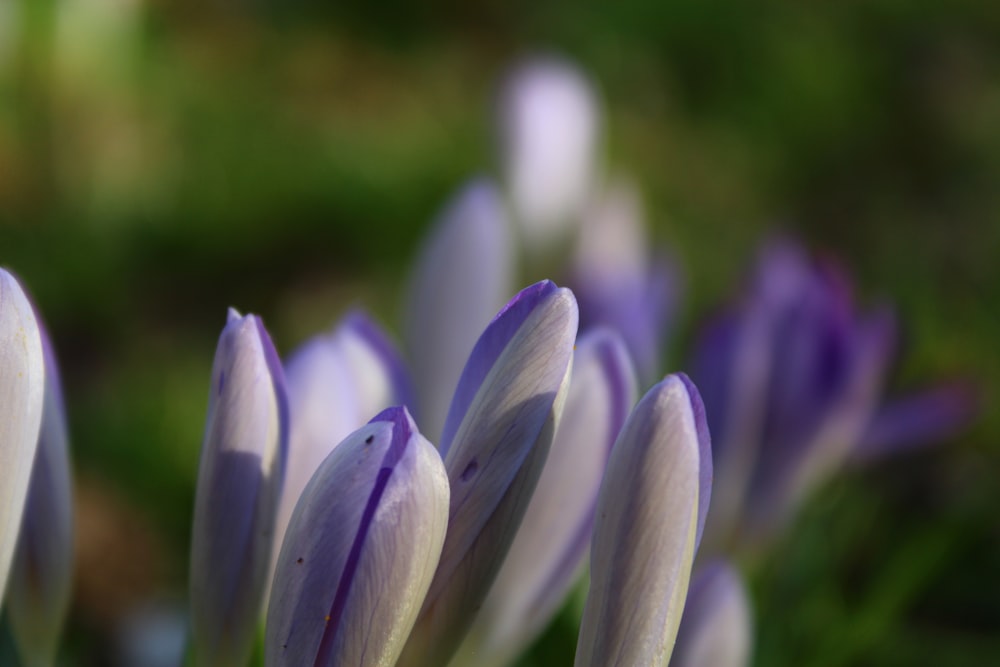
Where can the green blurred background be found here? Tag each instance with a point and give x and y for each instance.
(160, 161)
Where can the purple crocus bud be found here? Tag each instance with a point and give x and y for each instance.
(461, 278)
(39, 592)
(495, 441)
(22, 389)
(649, 515)
(360, 551)
(336, 381)
(792, 375)
(618, 283)
(716, 629)
(549, 134)
(548, 553)
(239, 484)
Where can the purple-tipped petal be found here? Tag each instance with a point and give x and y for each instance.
(549, 134)
(461, 277)
(716, 629)
(916, 421)
(618, 283)
(705, 466)
(361, 550)
(548, 553)
(39, 592)
(336, 382)
(22, 390)
(498, 434)
(239, 483)
(645, 533)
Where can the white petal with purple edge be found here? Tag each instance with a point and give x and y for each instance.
(22, 387)
(239, 483)
(646, 531)
(495, 441)
(38, 597)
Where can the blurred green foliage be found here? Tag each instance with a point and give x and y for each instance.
(161, 161)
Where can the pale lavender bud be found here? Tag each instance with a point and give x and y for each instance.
(239, 484)
(497, 435)
(649, 516)
(41, 578)
(716, 629)
(549, 134)
(461, 278)
(548, 553)
(22, 395)
(361, 550)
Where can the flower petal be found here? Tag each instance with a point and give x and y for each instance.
(918, 420)
(336, 382)
(549, 133)
(497, 436)
(38, 597)
(547, 555)
(239, 483)
(22, 389)
(645, 533)
(461, 278)
(716, 630)
(361, 549)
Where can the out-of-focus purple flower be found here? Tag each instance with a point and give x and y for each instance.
(239, 485)
(548, 553)
(650, 511)
(791, 376)
(496, 437)
(549, 136)
(22, 395)
(619, 283)
(462, 276)
(40, 583)
(716, 629)
(336, 382)
(360, 551)
(922, 419)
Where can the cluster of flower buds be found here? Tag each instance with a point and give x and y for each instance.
(401, 552)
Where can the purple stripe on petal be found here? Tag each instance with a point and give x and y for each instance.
(401, 432)
(486, 352)
(704, 454)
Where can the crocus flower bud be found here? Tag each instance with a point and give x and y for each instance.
(495, 441)
(548, 553)
(649, 516)
(618, 283)
(239, 483)
(461, 277)
(336, 382)
(360, 551)
(22, 388)
(549, 134)
(39, 592)
(792, 375)
(716, 629)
